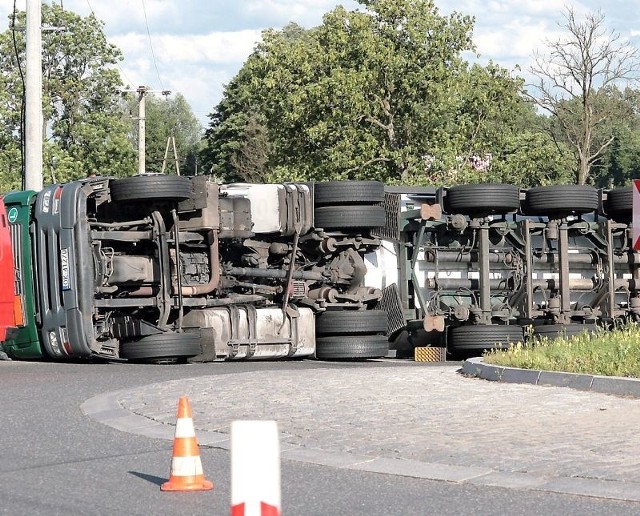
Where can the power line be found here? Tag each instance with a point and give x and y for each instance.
(122, 73)
(153, 55)
(24, 94)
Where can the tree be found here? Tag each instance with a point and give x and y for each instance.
(83, 118)
(376, 94)
(574, 81)
(491, 115)
(239, 124)
(169, 117)
(531, 158)
(620, 162)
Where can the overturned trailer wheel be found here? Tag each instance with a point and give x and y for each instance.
(351, 334)
(347, 322)
(349, 217)
(482, 199)
(351, 347)
(483, 337)
(349, 205)
(619, 204)
(561, 200)
(553, 331)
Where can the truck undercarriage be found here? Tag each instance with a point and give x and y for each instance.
(169, 268)
(488, 265)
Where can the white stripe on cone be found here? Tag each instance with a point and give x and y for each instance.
(255, 467)
(186, 466)
(184, 427)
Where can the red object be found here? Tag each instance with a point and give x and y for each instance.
(7, 276)
(265, 510)
(636, 214)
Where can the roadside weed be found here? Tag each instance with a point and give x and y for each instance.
(606, 353)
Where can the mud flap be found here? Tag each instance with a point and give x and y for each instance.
(207, 345)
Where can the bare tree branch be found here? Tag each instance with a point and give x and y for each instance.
(366, 164)
(572, 81)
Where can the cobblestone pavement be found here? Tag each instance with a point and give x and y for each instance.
(429, 415)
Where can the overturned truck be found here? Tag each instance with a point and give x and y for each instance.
(474, 267)
(167, 268)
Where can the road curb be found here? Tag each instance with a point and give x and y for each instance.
(615, 385)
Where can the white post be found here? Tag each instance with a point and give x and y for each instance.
(33, 101)
(255, 469)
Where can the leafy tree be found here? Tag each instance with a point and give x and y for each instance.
(10, 168)
(621, 163)
(166, 118)
(491, 114)
(574, 84)
(381, 93)
(83, 121)
(238, 127)
(532, 158)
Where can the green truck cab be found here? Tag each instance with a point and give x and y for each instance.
(25, 343)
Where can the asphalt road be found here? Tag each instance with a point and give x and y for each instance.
(56, 460)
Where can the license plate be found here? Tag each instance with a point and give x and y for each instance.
(64, 267)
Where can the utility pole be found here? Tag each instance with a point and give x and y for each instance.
(142, 92)
(33, 101)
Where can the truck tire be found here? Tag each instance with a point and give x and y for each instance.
(619, 204)
(483, 337)
(161, 347)
(136, 188)
(482, 199)
(352, 322)
(351, 347)
(349, 217)
(348, 192)
(553, 331)
(560, 200)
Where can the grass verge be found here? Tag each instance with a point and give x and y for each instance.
(606, 353)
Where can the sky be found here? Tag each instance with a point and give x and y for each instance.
(195, 47)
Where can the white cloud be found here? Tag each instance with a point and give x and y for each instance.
(126, 15)
(203, 82)
(217, 47)
(170, 49)
(303, 12)
(200, 45)
(516, 40)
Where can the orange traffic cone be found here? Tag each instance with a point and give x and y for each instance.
(186, 467)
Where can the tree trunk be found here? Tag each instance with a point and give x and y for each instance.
(583, 169)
